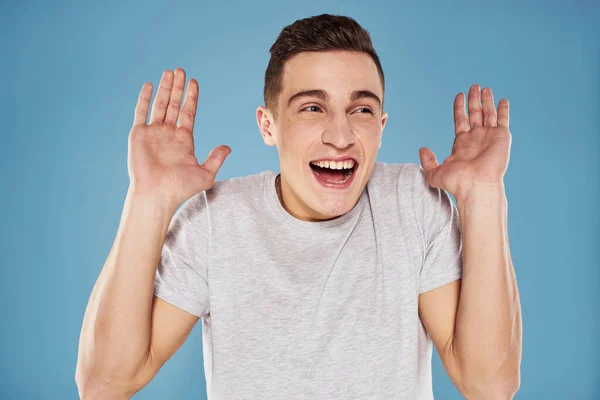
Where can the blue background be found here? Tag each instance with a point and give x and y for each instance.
(74, 71)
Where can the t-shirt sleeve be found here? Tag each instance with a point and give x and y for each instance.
(182, 274)
(439, 225)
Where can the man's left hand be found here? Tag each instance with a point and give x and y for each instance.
(481, 149)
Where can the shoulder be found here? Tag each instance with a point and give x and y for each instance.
(225, 197)
(237, 191)
(407, 185)
(403, 177)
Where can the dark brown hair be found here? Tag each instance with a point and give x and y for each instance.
(323, 32)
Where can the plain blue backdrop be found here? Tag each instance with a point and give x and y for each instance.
(73, 73)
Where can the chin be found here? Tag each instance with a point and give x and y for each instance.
(333, 209)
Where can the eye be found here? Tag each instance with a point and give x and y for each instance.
(313, 109)
(305, 108)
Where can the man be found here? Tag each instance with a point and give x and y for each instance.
(329, 280)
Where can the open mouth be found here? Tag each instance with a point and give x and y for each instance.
(334, 173)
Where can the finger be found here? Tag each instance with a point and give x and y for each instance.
(461, 122)
(216, 158)
(503, 113)
(475, 113)
(175, 99)
(428, 159)
(489, 108)
(161, 101)
(429, 163)
(143, 104)
(187, 115)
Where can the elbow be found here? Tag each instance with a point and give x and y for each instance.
(92, 385)
(499, 380)
(483, 389)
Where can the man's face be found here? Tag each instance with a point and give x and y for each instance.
(338, 118)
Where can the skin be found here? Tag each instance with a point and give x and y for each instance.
(475, 323)
(455, 314)
(481, 149)
(311, 128)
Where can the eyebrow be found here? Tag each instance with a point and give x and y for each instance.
(323, 95)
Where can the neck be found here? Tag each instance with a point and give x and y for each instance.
(279, 190)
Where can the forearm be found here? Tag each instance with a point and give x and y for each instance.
(487, 336)
(116, 328)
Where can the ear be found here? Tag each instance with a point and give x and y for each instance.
(264, 119)
(384, 117)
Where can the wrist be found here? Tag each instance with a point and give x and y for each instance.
(155, 202)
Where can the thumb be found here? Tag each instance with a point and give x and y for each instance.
(428, 159)
(430, 164)
(216, 158)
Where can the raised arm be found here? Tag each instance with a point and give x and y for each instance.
(127, 332)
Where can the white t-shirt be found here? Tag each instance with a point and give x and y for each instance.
(313, 310)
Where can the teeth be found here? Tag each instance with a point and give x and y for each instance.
(334, 165)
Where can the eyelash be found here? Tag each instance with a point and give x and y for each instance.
(362, 108)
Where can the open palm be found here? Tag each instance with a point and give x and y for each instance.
(161, 159)
(481, 149)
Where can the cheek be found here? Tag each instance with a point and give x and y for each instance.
(300, 137)
(368, 136)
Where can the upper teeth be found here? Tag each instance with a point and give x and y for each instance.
(334, 164)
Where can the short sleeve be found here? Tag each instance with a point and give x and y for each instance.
(439, 225)
(182, 275)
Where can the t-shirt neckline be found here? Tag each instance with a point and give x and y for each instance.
(281, 212)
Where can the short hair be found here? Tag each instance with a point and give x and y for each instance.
(319, 33)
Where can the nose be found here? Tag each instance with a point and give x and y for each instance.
(338, 133)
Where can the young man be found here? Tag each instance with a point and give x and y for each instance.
(329, 280)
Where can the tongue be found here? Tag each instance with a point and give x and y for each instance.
(331, 175)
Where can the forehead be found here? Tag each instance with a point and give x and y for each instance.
(337, 72)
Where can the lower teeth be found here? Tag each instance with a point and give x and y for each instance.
(348, 175)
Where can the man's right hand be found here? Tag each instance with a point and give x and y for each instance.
(161, 161)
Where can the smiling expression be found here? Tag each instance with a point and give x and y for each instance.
(329, 110)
